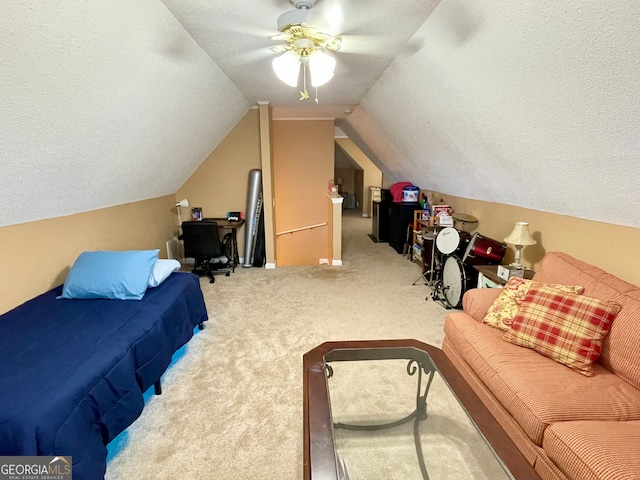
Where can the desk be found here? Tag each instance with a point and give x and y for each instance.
(232, 225)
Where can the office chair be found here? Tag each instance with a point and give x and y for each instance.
(202, 243)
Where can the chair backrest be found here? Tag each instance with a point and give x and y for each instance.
(201, 239)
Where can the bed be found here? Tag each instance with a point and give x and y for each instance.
(72, 372)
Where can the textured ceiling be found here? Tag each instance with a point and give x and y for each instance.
(237, 36)
(102, 103)
(534, 104)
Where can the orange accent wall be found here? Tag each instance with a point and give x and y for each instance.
(303, 155)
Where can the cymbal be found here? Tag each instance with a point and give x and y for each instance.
(463, 217)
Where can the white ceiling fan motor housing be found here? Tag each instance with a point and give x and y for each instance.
(297, 16)
(303, 3)
(293, 17)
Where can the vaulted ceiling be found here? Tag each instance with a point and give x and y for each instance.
(533, 104)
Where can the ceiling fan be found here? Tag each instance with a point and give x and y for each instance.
(309, 37)
(305, 47)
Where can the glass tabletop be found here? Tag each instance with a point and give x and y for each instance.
(390, 413)
(384, 428)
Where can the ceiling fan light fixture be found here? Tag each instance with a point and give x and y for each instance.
(287, 67)
(303, 44)
(321, 67)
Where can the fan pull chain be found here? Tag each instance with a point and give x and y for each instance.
(304, 95)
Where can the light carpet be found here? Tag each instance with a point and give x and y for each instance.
(231, 407)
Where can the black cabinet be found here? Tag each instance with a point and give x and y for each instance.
(400, 216)
(380, 221)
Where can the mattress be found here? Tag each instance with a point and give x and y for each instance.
(72, 372)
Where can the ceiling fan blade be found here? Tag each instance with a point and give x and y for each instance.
(250, 56)
(374, 45)
(337, 17)
(328, 18)
(363, 26)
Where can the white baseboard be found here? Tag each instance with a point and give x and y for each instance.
(270, 266)
(323, 261)
(336, 263)
(365, 215)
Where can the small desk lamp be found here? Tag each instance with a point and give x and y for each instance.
(184, 203)
(519, 237)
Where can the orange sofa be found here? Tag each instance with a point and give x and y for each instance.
(567, 425)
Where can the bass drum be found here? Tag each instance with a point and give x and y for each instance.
(457, 278)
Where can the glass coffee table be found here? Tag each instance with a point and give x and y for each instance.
(398, 409)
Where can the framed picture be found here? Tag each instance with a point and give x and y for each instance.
(438, 209)
(196, 214)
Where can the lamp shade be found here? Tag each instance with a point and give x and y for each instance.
(321, 67)
(287, 67)
(184, 203)
(520, 235)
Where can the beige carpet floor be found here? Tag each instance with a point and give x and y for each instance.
(231, 407)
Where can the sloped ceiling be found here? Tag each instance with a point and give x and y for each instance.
(533, 104)
(102, 103)
(238, 36)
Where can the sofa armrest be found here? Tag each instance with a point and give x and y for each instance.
(477, 301)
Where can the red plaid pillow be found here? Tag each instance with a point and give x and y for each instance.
(566, 327)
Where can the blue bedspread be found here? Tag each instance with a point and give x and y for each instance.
(72, 372)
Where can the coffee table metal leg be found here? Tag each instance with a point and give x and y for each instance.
(420, 413)
(416, 438)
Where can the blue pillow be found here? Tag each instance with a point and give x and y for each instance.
(106, 274)
(161, 270)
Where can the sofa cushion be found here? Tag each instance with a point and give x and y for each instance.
(619, 349)
(593, 450)
(504, 309)
(476, 301)
(566, 327)
(535, 390)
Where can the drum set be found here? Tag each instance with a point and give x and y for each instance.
(453, 255)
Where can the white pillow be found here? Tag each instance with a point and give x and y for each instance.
(161, 270)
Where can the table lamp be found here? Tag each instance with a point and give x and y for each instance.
(184, 203)
(519, 237)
